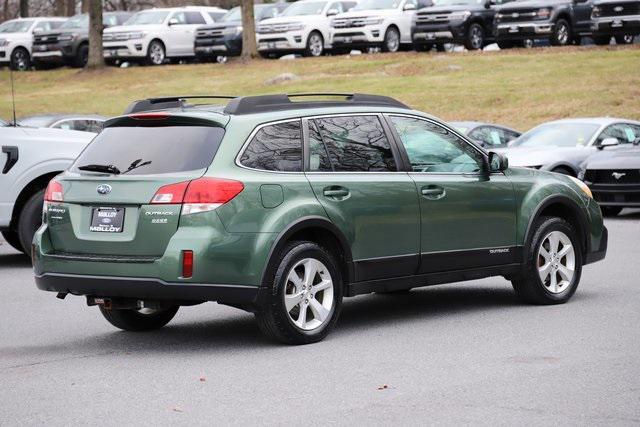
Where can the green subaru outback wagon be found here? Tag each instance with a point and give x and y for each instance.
(282, 205)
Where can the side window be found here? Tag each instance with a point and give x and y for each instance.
(180, 17)
(489, 136)
(336, 5)
(347, 5)
(275, 147)
(356, 144)
(510, 136)
(194, 18)
(42, 26)
(65, 124)
(110, 21)
(432, 148)
(624, 133)
(318, 154)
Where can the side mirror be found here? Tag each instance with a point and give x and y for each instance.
(173, 21)
(409, 6)
(332, 12)
(608, 142)
(497, 162)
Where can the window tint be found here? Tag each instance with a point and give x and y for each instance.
(318, 154)
(166, 149)
(432, 148)
(356, 144)
(194, 18)
(624, 133)
(276, 147)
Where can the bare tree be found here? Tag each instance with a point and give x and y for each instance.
(96, 60)
(24, 8)
(70, 8)
(249, 46)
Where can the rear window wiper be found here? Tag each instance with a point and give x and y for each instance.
(100, 168)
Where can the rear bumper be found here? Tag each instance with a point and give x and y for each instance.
(144, 288)
(601, 252)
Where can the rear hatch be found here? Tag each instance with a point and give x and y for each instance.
(106, 206)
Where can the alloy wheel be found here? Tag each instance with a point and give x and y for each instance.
(21, 60)
(476, 36)
(156, 53)
(392, 41)
(563, 34)
(556, 262)
(308, 296)
(315, 44)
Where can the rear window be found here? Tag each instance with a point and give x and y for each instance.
(153, 150)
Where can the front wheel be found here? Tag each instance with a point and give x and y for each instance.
(475, 37)
(315, 44)
(139, 320)
(391, 41)
(552, 264)
(561, 33)
(304, 301)
(156, 53)
(20, 60)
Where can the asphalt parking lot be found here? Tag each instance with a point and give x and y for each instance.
(465, 353)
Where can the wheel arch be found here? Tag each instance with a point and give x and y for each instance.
(30, 189)
(316, 229)
(568, 166)
(19, 47)
(562, 207)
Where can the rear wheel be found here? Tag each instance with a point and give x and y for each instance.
(552, 265)
(13, 240)
(610, 210)
(315, 44)
(156, 53)
(30, 220)
(20, 60)
(306, 295)
(475, 37)
(139, 320)
(391, 41)
(561, 33)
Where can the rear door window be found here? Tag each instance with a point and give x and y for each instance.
(356, 144)
(276, 147)
(153, 150)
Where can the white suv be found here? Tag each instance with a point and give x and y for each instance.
(302, 27)
(16, 39)
(153, 35)
(374, 23)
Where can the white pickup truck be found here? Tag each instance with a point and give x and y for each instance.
(30, 157)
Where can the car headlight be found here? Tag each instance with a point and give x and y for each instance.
(584, 187)
(543, 13)
(373, 21)
(459, 16)
(4, 42)
(66, 37)
(296, 26)
(136, 35)
(232, 31)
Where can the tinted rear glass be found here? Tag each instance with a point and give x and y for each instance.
(167, 149)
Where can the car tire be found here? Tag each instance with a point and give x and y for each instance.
(563, 171)
(82, 56)
(20, 60)
(554, 244)
(315, 45)
(474, 40)
(561, 35)
(12, 238)
(289, 304)
(602, 41)
(156, 53)
(111, 62)
(440, 47)
(624, 39)
(30, 220)
(133, 320)
(610, 210)
(391, 42)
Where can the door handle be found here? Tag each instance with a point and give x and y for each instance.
(433, 192)
(12, 157)
(335, 193)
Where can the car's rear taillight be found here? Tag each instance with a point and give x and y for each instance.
(53, 193)
(199, 195)
(149, 116)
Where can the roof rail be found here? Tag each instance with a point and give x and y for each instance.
(167, 102)
(266, 103)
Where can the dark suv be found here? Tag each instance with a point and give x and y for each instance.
(225, 38)
(563, 22)
(282, 207)
(467, 22)
(69, 44)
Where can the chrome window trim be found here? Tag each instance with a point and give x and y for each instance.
(253, 134)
